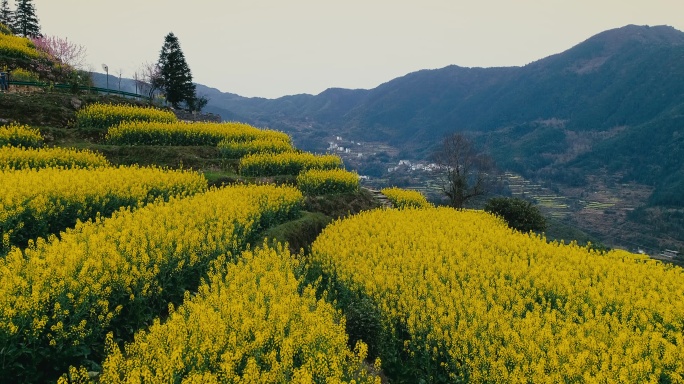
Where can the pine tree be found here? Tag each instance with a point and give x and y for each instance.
(6, 14)
(175, 73)
(25, 19)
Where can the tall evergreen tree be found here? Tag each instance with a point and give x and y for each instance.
(25, 19)
(6, 14)
(175, 73)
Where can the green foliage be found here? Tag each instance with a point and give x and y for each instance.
(518, 213)
(298, 233)
(4, 30)
(20, 74)
(341, 205)
(25, 19)
(6, 18)
(176, 75)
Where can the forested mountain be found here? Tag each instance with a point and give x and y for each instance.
(625, 76)
(609, 107)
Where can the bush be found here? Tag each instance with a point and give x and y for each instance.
(325, 182)
(20, 74)
(518, 213)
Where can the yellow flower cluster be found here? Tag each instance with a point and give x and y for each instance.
(182, 133)
(108, 115)
(19, 158)
(20, 136)
(404, 198)
(233, 149)
(471, 300)
(59, 299)
(39, 202)
(247, 323)
(286, 163)
(329, 181)
(21, 74)
(17, 47)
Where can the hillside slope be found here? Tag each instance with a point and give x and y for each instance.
(609, 108)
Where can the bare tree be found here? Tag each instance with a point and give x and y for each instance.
(149, 79)
(465, 173)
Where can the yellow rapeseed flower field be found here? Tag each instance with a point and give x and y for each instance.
(463, 297)
(59, 299)
(233, 149)
(247, 323)
(17, 47)
(107, 115)
(404, 198)
(20, 136)
(286, 163)
(182, 133)
(327, 181)
(57, 157)
(39, 202)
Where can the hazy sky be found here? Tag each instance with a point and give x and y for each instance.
(271, 48)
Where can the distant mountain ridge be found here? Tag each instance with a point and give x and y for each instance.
(625, 77)
(610, 107)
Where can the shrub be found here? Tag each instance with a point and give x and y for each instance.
(518, 213)
(325, 182)
(20, 74)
